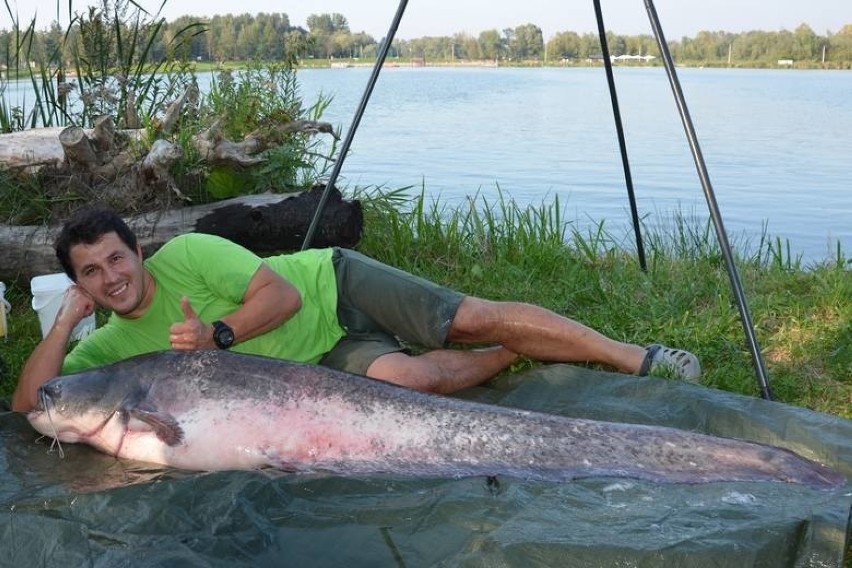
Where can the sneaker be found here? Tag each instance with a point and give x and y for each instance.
(664, 360)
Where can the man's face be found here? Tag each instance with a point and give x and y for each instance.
(113, 275)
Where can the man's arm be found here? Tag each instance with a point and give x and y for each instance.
(45, 361)
(269, 301)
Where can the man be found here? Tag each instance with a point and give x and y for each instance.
(334, 306)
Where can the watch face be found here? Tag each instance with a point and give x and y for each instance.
(223, 335)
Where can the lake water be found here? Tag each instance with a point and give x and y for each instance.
(777, 143)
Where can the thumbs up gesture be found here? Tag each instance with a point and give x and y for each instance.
(191, 333)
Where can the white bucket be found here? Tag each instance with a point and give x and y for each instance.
(48, 292)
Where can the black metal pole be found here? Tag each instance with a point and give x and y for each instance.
(356, 120)
(715, 215)
(628, 179)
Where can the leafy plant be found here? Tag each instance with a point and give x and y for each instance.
(254, 101)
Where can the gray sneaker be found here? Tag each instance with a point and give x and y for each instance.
(663, 360)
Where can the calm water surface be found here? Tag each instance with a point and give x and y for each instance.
(776, 143)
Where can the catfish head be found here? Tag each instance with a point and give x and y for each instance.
(96, 408)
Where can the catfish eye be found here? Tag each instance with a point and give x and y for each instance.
(51, 390)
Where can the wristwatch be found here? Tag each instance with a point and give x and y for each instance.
(223, 334)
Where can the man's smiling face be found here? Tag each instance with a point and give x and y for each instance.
(113, 275)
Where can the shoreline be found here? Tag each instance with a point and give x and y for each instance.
(565, 64)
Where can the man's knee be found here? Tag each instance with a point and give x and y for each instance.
(406, 370)
(476, 320)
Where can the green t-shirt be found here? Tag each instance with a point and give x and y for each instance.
(214, 274)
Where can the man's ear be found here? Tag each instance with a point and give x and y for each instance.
(139, 251)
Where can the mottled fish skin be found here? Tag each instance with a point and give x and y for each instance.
(216, 410)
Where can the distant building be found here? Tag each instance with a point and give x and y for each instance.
(626, 57)
(785, 62)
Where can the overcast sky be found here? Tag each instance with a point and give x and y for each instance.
(447, 17)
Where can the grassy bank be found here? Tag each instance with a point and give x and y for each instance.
(802, 315)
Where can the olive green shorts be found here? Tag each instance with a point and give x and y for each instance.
(381, 308)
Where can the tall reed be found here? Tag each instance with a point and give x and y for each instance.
(103, 64)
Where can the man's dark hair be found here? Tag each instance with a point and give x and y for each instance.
(87, 226)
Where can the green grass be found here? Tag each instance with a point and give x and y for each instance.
(802, 315)
(499, 250)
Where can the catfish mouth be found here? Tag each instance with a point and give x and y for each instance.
(41, 409)
(48, 419)
(42, 406)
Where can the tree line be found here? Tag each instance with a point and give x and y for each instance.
(272, 37)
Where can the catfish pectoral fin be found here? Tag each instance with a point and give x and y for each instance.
(163, 424)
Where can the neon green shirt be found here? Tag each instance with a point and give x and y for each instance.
(214, 274)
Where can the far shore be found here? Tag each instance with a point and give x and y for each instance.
(208, 66)
(337, 63)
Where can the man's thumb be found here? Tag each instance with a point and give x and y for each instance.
(188, 312)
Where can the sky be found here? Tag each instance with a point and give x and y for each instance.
(678, 18)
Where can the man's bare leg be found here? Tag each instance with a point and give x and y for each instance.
(518, 329)
(443, 370)
(540, 334)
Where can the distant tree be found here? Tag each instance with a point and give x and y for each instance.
(641, 45)
(782, 47)
(617, 44)
(327, 23)
(248, 46)
(490, 44)
(327, 34)
(361, 42)
(590, 45)
(805, 43)
(467, 47)
(840, 45)
(53, 43)
(508, 39)
(564, 45)
(297, 44)
(226, 38)
(339, 23)
(526, 42)
(270, 37)
(320, 24)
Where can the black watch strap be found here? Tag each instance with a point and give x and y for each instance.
(223, 334)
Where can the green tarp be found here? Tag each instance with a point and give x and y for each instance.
(87, 509)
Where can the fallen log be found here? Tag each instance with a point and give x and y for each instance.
(266, 223)
(88, 148)
(38, 147)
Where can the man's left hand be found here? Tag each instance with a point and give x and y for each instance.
(192, 333)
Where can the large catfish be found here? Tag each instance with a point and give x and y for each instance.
(215, 410)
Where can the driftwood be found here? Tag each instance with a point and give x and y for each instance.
(118, 161)
(86, 147)
(266, 224)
